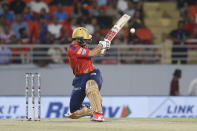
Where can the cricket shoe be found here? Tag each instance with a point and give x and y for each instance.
(98, 117)
(67, 115)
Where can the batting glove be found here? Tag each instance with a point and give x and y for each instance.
(105, 44)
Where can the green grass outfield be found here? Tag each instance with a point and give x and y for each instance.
(83, 124)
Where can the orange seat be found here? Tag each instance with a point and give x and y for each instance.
(33, 30)
(49, 22)
(46, 1)
(109, 62)
(27, 1)
(8, 1)
(68, 9)
(192, 11)
(189, 27)
(52, 9)
(105, 7)
(88, 7)
(126, 33)
(104, 31)
(9, 23)
(66, 28)
(144, 34)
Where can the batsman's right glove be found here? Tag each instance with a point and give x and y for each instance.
(105, 44)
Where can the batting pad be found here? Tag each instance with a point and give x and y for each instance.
(94, 96)
(81, 113)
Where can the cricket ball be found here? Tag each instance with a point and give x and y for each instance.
(132, 30)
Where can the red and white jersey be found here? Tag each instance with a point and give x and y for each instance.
(79, 59)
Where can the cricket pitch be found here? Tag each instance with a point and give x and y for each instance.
(84, 124)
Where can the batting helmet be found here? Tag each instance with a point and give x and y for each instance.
(81, 32)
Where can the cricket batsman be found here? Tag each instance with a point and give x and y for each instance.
(88, 79)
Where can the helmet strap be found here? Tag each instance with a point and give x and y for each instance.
(81, 42)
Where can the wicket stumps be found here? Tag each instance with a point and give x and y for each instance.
(32, 80)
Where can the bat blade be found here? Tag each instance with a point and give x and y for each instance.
(115, 29)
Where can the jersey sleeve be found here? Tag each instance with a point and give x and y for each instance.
(79, 51)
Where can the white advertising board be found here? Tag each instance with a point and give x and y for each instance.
(113, 107)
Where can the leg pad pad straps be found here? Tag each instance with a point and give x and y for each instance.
(94, 96)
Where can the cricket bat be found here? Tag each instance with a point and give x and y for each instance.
(115, 29)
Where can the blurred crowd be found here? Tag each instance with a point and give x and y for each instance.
(52, 21)
(188, 13)
(186, 29)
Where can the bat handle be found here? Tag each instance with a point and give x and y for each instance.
(103, 51)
